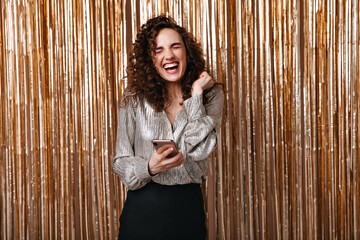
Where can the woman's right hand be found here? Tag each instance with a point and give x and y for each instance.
(204, 82)
(159, 163)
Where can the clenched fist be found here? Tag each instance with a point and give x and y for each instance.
(204, 82)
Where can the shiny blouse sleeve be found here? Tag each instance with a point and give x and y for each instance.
(133, 170)
(203, 124)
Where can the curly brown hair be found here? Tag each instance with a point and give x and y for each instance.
(144, 82)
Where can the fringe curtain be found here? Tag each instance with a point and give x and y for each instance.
(287, 164)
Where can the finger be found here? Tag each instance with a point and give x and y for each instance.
(179, 155)
(163, 148)
(180, 162)
(208, 79)
(166, 152)
(167, 164)
(172, 160)
(203, 74)
(208, 83)
(172, 164)
(211, 80)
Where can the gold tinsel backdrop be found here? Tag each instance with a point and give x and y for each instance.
(287, 165)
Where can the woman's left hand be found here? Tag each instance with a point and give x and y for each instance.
(204, 82)
(159, 161)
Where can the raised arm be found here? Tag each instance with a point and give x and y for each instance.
(203, 124)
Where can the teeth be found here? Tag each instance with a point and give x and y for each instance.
(170, 65)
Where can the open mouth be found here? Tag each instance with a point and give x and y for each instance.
(171, 67)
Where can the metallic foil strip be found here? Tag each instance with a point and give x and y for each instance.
(286, 166)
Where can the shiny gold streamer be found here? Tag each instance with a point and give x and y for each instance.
(287, 163)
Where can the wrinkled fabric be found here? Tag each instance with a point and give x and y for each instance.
(194, 131)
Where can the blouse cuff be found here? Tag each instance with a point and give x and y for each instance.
(194, 107)
(141, 171)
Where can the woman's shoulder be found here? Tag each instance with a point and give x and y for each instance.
(129, 101)
(137, 105)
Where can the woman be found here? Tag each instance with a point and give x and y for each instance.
(168, 96)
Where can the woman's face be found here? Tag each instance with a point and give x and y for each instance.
(170, 55)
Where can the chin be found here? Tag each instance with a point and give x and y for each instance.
(173, 79)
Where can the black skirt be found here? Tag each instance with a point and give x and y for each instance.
(163, 212)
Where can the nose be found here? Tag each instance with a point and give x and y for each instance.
(169, 54)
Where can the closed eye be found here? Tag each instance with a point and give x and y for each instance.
(176, 45)
(159, 50)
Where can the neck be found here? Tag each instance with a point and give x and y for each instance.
(174, 90)
(175, 93)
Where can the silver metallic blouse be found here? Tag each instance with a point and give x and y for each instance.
(194, 132)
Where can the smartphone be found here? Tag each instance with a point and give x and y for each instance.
(158, 143)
